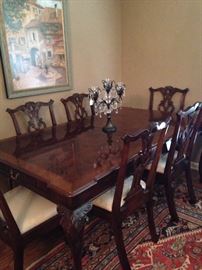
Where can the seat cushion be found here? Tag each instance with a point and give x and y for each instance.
(106, 199)
(28, 208)
(162, 163)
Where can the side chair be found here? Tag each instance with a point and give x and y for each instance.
(167, 104)
(132, 191)
(200, 168)
(75, 107)
(31, 111)
(23, 215)
(178, 158)
(200, 160)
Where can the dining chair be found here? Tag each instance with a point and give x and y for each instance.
(24, 215)
(200, 159)
(77, 107)
(168, 95)
(200, 168)
(31, 111)
(132, 191)
(178, 157)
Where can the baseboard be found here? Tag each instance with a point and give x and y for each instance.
(194, 166)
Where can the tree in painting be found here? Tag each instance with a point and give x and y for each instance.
(13, 13)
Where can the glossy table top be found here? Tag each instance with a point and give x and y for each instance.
(71, 158)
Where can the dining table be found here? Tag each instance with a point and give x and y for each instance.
(70, 164)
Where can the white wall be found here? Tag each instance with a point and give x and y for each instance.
(96, 54)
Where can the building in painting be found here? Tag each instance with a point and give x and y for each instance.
(39, 42)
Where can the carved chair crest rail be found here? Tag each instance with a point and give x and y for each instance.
(75, 108)
(167, 104)
(31, 111)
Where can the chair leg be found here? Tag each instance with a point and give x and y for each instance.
(200, 168)
(170, 200)
(10, 183)
(152, 227)
(18, 258)
(191, 192)
(118, 235)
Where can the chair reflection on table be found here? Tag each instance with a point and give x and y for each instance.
(29, 143)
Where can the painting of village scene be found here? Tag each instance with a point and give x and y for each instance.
(36, 45)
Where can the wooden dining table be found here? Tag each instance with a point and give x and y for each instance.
(70, 164)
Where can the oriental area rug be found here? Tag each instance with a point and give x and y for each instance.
(179, 247)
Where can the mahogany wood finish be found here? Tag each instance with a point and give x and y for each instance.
(31, 110)
(200, 168)
(34, 250)
(166, 105)
(58, 163)
(137, 196)
(77, 100)
(185, 131)
(200, 161)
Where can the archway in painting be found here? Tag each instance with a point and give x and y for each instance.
(34, 55)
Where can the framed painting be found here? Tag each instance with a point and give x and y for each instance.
(34, 46)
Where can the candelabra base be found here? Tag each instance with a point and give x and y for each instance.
(109, 127)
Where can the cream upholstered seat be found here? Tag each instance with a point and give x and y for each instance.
(106, 199)
(162, 163)
(28, 208)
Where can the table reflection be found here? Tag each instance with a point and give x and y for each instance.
(28, 144)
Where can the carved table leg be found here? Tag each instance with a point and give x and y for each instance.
(73, 223)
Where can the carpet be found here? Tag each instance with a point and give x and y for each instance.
(183, 251)
(179, 248)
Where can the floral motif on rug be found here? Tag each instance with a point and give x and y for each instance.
(181, 252)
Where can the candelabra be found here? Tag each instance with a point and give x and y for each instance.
(107, 100)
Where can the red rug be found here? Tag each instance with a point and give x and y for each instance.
(181, 252)
(180, 247)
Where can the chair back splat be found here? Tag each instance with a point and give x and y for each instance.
(31, 111)
(141, 189)
(166, 105)
(188, 123)
(75, 107)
